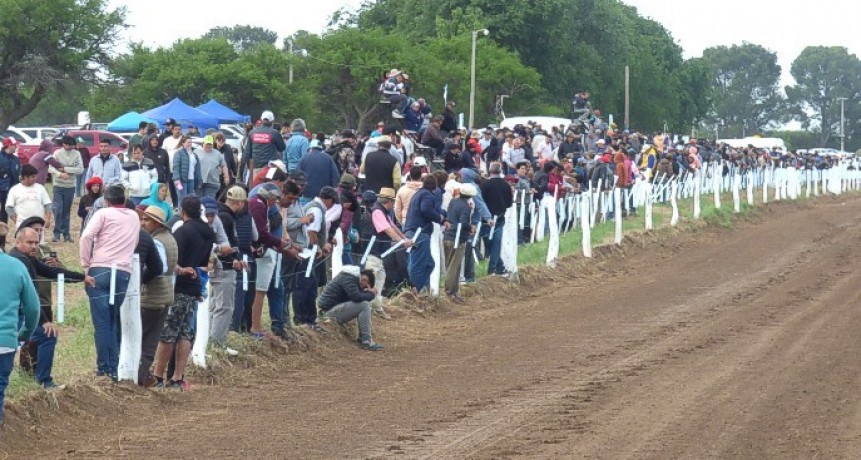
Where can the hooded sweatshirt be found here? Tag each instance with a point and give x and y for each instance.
(403, 198)
(154, 201)
(42, 159)
(138, 177)
(623, 174)
(159, 158)
(344, 288)
(88, 200)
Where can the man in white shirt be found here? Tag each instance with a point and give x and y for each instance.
(28, 199)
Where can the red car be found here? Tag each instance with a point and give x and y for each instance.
(91, 142)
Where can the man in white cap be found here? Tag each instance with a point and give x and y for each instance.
(265, 145)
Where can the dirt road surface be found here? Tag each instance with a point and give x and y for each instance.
(720, 343)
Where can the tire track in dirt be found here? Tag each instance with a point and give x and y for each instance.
(530, 417)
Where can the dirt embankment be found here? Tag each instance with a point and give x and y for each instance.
(714, 343)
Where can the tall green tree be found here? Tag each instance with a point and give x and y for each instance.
(823, 74)
(46, 45)
(573, 44)
(745, 79)
(243, 37)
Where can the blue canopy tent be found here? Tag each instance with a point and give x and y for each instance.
(223, 113)
(128, 123)
(184, 114)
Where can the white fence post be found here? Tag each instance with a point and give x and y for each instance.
(131, 327)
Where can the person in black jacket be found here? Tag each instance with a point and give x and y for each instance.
(449, 120)
(194, 242)
(347, 297)
(44, 338)
(498, 197)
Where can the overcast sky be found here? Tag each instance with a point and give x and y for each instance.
(784, 26)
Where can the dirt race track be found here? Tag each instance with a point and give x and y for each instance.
(718, 343)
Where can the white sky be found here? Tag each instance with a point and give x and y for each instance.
(784, 26)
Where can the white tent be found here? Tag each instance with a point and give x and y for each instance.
(758, 142)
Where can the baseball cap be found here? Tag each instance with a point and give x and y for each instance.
(315, 144)
(208, 140)
(170, 121)
(420, 161)
(269, 191)
(209, 205)
(267, 115)
(237, 193)
(9, 141)
(299, 177)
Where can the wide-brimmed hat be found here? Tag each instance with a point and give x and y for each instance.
(156, 214)
(388, 193)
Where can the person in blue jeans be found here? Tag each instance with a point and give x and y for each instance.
(17, 298)
(186, 170)
(38, 353)
(107, 243)
(422, 214)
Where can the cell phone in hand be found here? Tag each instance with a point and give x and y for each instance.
(52, 255)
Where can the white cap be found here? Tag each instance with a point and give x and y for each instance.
(420, 161)
(267, 115)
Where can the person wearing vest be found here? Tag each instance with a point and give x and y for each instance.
(380, 168)
(224, 277)
(316, 233)
(387, 233)
(157, 294)
(246, 234)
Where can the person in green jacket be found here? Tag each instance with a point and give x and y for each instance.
(16, 294)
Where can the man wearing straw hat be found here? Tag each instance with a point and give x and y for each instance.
(156, 295)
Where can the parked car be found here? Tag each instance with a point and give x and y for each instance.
(91, 140)
(19, 135)
(37, 133)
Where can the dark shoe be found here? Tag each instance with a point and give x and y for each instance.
(148, 382)
(316, 328)
(287, 335)
(56, 239)
(159, 383)
(371, 346)
(180, 385)
(454, 298)
(68, 239)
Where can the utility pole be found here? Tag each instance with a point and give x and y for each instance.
(290, 50)
(472, 77)
(842, 121)
(627, 97)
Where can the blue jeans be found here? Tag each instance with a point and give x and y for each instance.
(421, 263)
(63, 197)
(187, 189)
(275, 295)
(209, 190)
(243, 299)
(79, 185)
(45, 355)
(304, 294)
(495, 264)
(106, 317)
(7, 360)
